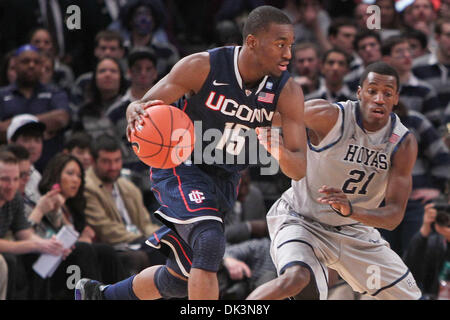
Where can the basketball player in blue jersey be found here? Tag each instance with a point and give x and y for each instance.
(359, 154)
(235, 90)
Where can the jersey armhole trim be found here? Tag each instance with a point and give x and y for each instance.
(398, 144)
(311, 147)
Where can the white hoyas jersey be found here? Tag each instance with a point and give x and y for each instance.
(348, 158)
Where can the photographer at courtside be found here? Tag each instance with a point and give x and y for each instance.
(429, 249)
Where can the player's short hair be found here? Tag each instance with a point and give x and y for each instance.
(390, 43)
(380, 67)
(260, 18)
(104, 142)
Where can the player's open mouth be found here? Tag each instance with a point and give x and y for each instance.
(378, 112)
(283, 66)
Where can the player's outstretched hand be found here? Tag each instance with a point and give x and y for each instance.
(337, 199)
(271, 139)
(136, 112)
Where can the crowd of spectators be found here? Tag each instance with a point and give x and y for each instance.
(67, 77)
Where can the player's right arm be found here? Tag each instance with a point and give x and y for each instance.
(398, 189)
(186, 77)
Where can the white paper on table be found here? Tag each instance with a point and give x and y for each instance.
(47, 263)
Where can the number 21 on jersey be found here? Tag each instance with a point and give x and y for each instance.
(358, 183)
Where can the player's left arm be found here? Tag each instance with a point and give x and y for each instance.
(398, 189)
(290, 148)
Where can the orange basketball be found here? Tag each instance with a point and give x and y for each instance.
(166, 139)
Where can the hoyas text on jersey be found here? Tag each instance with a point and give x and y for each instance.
(365, 156)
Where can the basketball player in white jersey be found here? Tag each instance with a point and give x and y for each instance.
(359, 154)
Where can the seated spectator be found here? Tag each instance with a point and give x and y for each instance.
(430, 174)
(341, 34)
(405, 10)
(361, 15)
(390, 20)
(79, 145)
(48, 69)
(143, 75)
(310, 21)
(140, 20)
(7, 72)
(429, 249)
(335, 65)
(63, 204)
(27, 131)
(423, 17)
(226, 33)
(415, 94)
(248, 219)
(3, 278)
(28, 95)
(418, 42)
(108, 43)
(247, 265)
(444, 9)
(21, 252)
(434, 68)
(115, 208)
(446, 129)
(106, 88)
(62, 75)
(56, 208)
(367, 44)
(306, 66)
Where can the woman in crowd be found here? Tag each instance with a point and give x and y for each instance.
(63, 204)
(106, 89)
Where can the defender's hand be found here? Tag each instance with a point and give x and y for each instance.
(271, 140)
(336, 199)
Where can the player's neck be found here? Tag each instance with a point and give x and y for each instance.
(250, 74)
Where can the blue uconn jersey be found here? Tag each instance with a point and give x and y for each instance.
(225, 113)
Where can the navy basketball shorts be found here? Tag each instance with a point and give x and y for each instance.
(188, 194)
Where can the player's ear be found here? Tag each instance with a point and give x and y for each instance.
(251, 41)
(358, 93)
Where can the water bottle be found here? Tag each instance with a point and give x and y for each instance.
(444, 282)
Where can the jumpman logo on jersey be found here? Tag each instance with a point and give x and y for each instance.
(196, 196)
